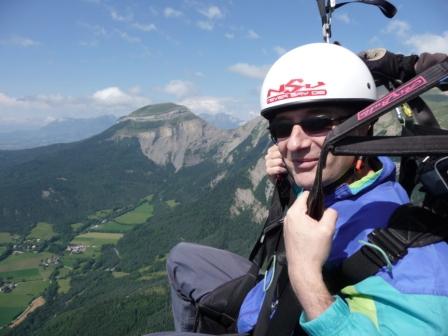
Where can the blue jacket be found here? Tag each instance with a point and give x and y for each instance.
(412, 298)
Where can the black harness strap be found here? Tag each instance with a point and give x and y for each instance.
(268, 240)
(285, 320)
(409, 226)
(279, 280)
(393, 145)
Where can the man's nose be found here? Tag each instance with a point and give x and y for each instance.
(298, 139)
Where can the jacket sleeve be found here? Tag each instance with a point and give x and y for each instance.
(374, 307)
(339, 320)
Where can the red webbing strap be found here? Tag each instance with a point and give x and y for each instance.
(409, 90)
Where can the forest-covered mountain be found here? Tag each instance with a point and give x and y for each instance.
(195, 182)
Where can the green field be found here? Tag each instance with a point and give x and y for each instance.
(118, 275)
(101, 214)
(96, 238)
(148, 198)
(137, 216)
(31, 280)
(13, 303)
(22, 275)
(22, 261)
(171, 203)
(113, 227)
(76, 226)
(93, 241)
(42, 230)
(64, 285)
(64, 272)
(5, 238)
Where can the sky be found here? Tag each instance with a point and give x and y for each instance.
(85, 58)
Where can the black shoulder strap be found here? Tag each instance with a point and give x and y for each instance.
(268, 239)
(409, 226)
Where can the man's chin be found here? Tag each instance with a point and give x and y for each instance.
(305, 184)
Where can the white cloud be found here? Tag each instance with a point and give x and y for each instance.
(343, 17)
(280, 50)
(240, 108)
(376, 41)
(37, 110)
(398, 27)
(252, 35)
(205, 25)
(172, 13)
(212, 13)
(135, 90)
(97, 30)
(20, 41)
(229, 36)
(120, 18)
(128, 38)
(211, 105)
(89, 44)
(112, 96)
(249, 70)
(419, 43)
(180, 88)
(144, 27)
(429, 43)
(7, 101)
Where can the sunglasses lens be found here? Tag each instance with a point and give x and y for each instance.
(281, 128)
(316, 124)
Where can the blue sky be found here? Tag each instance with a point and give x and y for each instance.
(85, 58)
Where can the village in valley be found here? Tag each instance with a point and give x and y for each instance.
(30, 265)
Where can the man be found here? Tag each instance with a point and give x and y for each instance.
(306, 93)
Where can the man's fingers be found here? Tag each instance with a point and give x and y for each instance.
(329, 218)
(300, 202)
(275, 163)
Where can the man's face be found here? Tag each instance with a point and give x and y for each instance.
(301, 149)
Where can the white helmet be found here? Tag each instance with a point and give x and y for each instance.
(316, 73)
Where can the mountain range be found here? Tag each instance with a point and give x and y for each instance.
(204, 184)
(59, 131)
(71, 130)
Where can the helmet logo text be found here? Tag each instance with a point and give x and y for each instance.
(296, 88)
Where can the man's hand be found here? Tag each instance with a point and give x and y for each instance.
(308, 244)
(385, 65)
(274, 163)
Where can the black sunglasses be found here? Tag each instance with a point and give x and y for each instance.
(282, 128)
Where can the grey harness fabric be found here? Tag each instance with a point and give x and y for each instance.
(196, 270)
